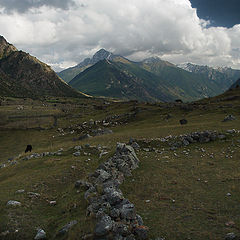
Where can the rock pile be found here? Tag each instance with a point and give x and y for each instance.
(116, 216)
(194, 137)
(44, 154)
(229, 118)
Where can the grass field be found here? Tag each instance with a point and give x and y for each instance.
(187, 188)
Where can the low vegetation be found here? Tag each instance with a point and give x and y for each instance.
(186, 193)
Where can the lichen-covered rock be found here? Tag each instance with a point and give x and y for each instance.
(41, 234)
(104, 226)
(13, 203)
(66, 228)
(116, 216)
(141, 232)
(128, 211)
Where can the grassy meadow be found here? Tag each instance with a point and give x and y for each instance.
(189, 193)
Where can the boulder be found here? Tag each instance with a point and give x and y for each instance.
(13, 203)
(104, 226)
(41, 234)
(141, 232)
(229, 118)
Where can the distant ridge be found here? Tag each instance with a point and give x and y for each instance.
(22, 75)
(68, 74)
(236, 85)
(224, 76)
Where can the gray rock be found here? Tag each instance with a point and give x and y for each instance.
(229, 118)
(20, 191)
(120, 228)
(67, 227)
(221, 136)
(3, 165)
(13, 203)
(76, 154)
(231, 131)
(113, 196)
(41, 234)
(135, 145)
(141, 232)
(78, 148)
(231, 236)
(130, 237)
(33, 194)
(84, 137)
(104, 226)
(103, 176)
(83, 185)
(128, 212)
(185, 142)
(115, 213)
(139, 220)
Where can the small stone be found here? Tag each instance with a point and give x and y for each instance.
(104, 226)
(230, 224)
(66, 228)
(231, 236)
(229, 118)
(78, 148)
(141, 232)
(33, 195)
(41, 234)
(5, 233)
(221, 137)
(20, 191)
(146, 149)
(76, 154)
(52, 203)
(147, 201)
(13, 203)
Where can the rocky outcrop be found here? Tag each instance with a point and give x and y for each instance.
(22, 75)
(116, 216)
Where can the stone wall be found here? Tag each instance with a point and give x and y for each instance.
(116, 216)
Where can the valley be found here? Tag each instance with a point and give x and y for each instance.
(181, 192)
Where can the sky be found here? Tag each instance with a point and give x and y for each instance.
(62, 33)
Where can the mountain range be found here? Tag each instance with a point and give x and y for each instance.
(22, 75)
(152, 79)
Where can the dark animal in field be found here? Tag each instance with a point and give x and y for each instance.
(183, 121)
(28, 148)
(178, 101)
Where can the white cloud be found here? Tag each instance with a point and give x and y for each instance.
(170, 29)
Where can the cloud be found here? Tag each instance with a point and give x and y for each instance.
(63, 36)
(24, 5)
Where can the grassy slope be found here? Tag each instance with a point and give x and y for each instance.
(201, 208)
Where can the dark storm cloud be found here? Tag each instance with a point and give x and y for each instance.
(136, 29)
(24, 5)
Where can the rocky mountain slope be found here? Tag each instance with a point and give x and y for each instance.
(149, 80)
(22, 75)
(68, 74)
(223, 76)
(112, 79)
(236, 84)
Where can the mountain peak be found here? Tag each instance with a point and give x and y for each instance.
(101, 55)
(151, 60)
(5, 48)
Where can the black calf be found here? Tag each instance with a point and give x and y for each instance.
(28, 148)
